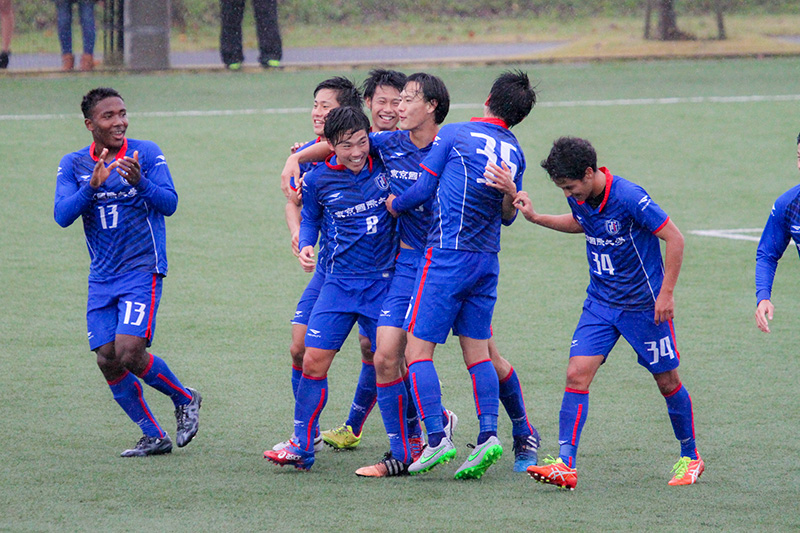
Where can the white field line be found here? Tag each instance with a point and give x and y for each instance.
(742, 234)
(575, 103)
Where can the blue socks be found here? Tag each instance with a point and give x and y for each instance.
(679, 407)
(574, 409)
(297, 373)
(312, 395)
(486, 391)
(393, 402)
(160, 377)
(412, 416)
(364, 398)
(427, 395)
(514, 403)
(127, 392)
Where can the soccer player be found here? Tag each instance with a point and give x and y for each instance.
(783, 224)
(456, 284)
(630, 294)
(328, 95)
(425, 104)
(381, 92)
(122, 189)
(345, 197)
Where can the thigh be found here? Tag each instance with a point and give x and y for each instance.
(653, 343)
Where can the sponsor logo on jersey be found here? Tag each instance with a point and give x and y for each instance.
(385, 312)
(574, 343)
(612, 226)
(108, 196)
(335, 196)
(85, 177)
(314, 333)
(382, 181)
(360, 208)
(645, 201)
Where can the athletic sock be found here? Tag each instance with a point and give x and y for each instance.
(679, 407)
(485, 388)
(160, 377)
(574, 408)
(127, 391)
(364, 398)
(412, 416)
(427, 395)
(312, 395)
(514, 403)
(297, 373)
(393, 400)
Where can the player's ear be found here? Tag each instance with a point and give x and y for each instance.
(589, 174)
(89, 124)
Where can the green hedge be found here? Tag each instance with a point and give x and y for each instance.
(40, 14)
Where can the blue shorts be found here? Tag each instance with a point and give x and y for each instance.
(600, 327)
(342, 302)
(395, 306)
(124, 305)
(308, 299)
(454, 290)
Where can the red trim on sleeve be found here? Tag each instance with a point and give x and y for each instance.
(661, 226)
(426, 169)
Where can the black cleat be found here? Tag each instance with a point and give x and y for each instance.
(149, 446)
(188, 418)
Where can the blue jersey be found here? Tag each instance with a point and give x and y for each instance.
(351, 209)
(467, 213)
(124, 225)
(625, 265)
(783, 224)
(401, 157)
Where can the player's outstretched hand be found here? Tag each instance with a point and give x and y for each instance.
(101, 172)
(389, 205)
(129, 168)
(764, 313)
(306, 257)
(525, 206)
(500, 178)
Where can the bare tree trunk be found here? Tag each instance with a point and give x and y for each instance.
(718, 7)
(648, 11)
(667, 21)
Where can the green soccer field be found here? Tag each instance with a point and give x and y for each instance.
(713, 142)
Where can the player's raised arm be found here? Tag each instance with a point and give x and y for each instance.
(673, 259)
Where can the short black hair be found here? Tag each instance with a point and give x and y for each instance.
(91, 99)
(433, 90)
(512, 97)
(347, 94)
(381, 76)
(569, 158)
(344, 120)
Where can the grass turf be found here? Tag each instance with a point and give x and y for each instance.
(233, 284)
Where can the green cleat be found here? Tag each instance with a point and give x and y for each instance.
(432, 456)
(341, 438)
(484, 456)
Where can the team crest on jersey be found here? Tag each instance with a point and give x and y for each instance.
(612, 226)
(382, 181)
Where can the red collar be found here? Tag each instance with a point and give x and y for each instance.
(609, 181)
(342, 167)
(495, 121)
(120, 153)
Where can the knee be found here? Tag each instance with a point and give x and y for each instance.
(317, 362)
(297, 351)
(366, 348)
(387, 366)
(668, 382)
(577, 379)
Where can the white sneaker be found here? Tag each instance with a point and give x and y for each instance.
(432, 456)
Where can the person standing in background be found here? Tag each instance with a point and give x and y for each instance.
(64, 17)
(267, 30)
(7, 30)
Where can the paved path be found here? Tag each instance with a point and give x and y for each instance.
(330, 56)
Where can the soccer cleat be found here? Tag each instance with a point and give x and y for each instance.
(555, 472)
(341, 438)
(417, 444)
(526, 451)
(272, 63)
(484, 456)
(452, 422)
(318, 444)
(233, 66)
(386, 467)
(432, 456)
(188, 418)
(687, 471)
(149, 446)
(291, 455)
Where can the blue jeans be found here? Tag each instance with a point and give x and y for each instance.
(86, 13)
